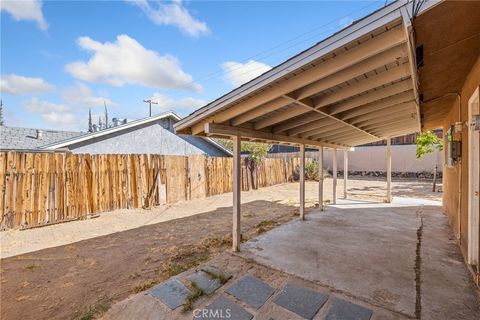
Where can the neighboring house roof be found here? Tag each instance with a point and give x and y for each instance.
(85, 139)
(13, 138)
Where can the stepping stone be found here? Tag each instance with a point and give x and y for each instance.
(301, 301)
(216, 270)
(252, 291)
(344, 310)
(205, 282)
(172, 293)
(223, 308)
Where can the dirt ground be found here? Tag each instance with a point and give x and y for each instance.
(86, 266)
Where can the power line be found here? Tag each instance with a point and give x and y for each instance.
(260, 55)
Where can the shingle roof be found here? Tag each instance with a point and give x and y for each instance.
(13, 138)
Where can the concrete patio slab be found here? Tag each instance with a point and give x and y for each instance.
(301, 301)
(344, 310)
(368, 251)
(252, 291)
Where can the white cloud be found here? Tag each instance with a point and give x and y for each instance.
(237, 73)
(182, 106)
(53, 113)
(19, 85)
(175, 14)
(81, 95)
(127, 61)
(25, 10)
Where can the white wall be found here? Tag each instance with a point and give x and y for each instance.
(373, 158)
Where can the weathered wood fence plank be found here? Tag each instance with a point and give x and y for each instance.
(38, 189)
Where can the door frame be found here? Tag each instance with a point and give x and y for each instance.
(473, 181)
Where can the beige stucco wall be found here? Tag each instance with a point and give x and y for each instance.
(452, 190)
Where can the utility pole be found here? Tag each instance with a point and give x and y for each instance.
(150, 102)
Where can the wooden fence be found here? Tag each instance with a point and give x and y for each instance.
(38, 189)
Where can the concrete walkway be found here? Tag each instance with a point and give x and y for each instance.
(356, 260)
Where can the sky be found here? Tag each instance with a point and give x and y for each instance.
(60, 59)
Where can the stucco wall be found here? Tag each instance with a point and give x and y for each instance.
(374, 158)
(149, 139)
(451, 182)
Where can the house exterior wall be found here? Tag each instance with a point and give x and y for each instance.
(455, 179)
(149, 139)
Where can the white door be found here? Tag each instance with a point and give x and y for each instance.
(473, 180)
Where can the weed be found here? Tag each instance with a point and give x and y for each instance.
(265, 225)
(31, 267)
(145, 285)
(194, 294)
(215, 242)
(173, 268)
(217, 275)
(97, 309)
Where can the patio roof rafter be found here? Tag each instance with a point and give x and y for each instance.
(214, 129)
(314, 108)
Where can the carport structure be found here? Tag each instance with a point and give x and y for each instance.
(355, 87)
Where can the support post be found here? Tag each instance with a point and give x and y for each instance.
(334, 174)
(389, 170)
(236, 188)
(302, 182)
(320, 178)
(345, 172)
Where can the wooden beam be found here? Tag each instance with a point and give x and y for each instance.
(260, 111)
(341, 131)
(320, 178)
(214, 129)
(280, 117)
(374, 107)
(392, 125)
(370, 64)
(370, 97)
(367, 84)
(345, 172)
(316, 133)
(405, 128)
(329, 116)
(236, 188)
(393, 115)
(389, 170)
(300, 121)
(386, 113)
(302, 182)
(324, 122)
(412, 61)
(376, 45)
(334, 176)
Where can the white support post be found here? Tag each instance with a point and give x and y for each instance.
(334, 183)
(389, 170)
(320, 178)
(345, 172)
(236, 188)
(302, 181)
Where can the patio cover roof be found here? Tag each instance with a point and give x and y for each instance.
(355, 87)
